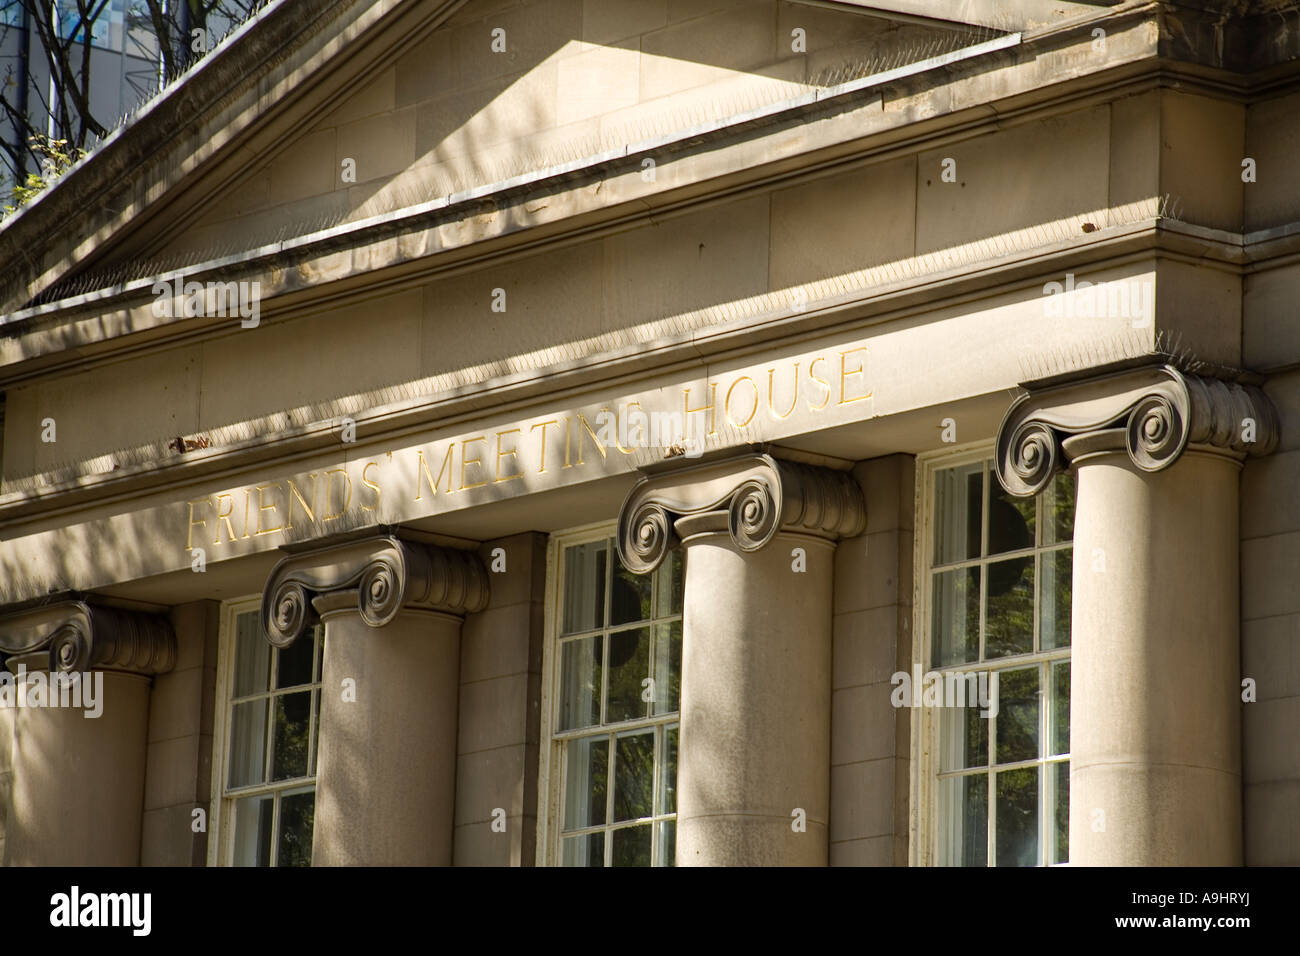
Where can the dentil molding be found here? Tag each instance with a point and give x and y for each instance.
(1153, 412)
(387, 572)
(758, 495)
(76, 636)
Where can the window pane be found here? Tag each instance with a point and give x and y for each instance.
(668, 843)
(296, 812)
(668, 582)
(1011, 521)
(1060, 743)
(253, 817)
(141, 41)
(1018, 817)
(1062, 771)
(586, 777)
(632, 846)
(585, 850)
(252, 656)
(668, 772)
(295, 662)
(956, 617)
(247, 743)
(584, 587)
(963, 735)
(612, 781)
(1058, 509)
(1004, 607)
(1054, 598)
(1009, 616)
(629, 665)
(634, 775)
(580, 683)
(1017, 715)
(958, 508)
(668, 667)
(964, 820)
(289, 759)
(629, 596)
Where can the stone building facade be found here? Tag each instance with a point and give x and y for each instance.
(556, 432)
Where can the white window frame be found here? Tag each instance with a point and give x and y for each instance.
(550, 776)
(923, 787)
(221, 846)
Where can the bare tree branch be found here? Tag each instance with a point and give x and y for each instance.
(55, 40)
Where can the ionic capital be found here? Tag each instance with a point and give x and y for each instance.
(387, 573)
(1153, 412)
(757, 495)
(76, 636)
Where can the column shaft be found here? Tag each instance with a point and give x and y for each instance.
(78, 781)
(756, 703)
(386, 768)
(1155, 776)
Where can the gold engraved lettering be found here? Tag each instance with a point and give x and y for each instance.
(370, 484)
(713, 401)
(582, 420)
(224, 516)
(465, 461)
(263, 507)
(512, 452)
(433, 483)
(845, 372)
(295, 493)
(820, 381)
(771, 393)
(189, 539)
(541, 470)
(642, 437)
(620, 428)
(329, 487)
(726, 404)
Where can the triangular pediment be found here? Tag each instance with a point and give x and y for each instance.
(387, 106)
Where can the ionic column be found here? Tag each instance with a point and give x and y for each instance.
(79, 767)
(386, 763)
(754, 744)
(1155, 739)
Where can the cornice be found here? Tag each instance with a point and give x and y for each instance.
(662, 347)
(758, 496)
(77, 342)
(385, 572)
(277, 265)
(1153, 413)
(77, 636)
